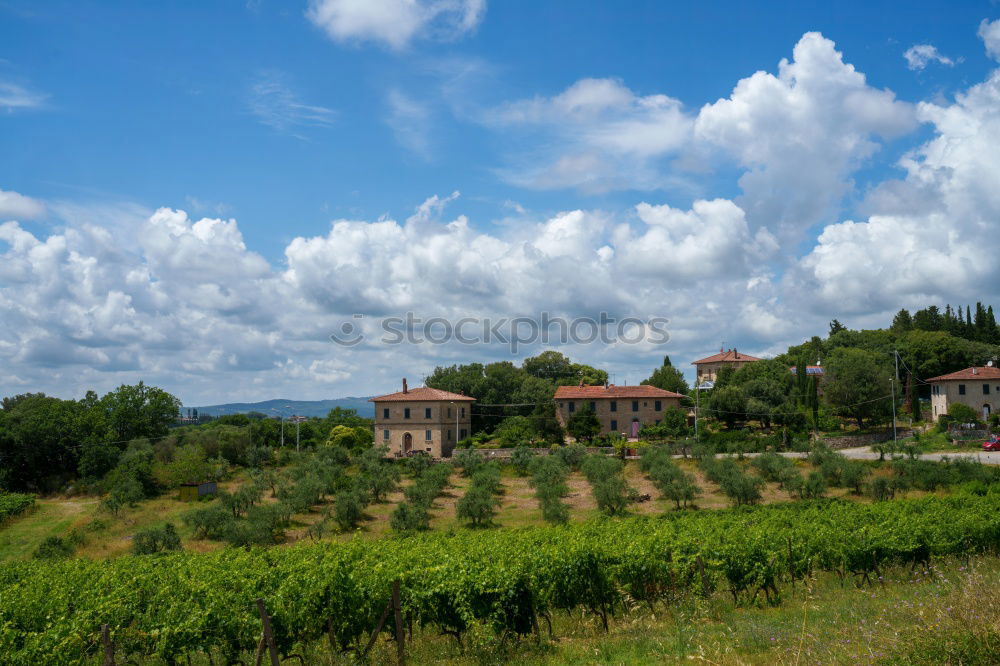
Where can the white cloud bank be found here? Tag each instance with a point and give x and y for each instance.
(186, 304)
(799, 134)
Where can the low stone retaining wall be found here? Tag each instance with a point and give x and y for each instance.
(505, 454)
(853, 441)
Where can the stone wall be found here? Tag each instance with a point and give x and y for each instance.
(852, 441)
(505, 454)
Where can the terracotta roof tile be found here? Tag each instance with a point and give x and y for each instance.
(981, 372)
(612, 391)
(731, 356)
(420, 394)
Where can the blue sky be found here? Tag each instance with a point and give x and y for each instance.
(285, 117)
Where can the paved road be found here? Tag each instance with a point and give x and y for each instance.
(865, 453)
(986, 457)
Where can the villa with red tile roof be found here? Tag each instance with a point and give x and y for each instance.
(708, 368)
(978, 387)
(422, 419)
(622, 409)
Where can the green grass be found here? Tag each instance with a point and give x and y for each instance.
(20, 537)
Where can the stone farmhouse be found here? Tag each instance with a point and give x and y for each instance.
(622, 409)
(978, 387)
(707, 369)
(422, 419)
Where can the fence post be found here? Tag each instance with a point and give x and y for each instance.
(268, 634)
(109, 647)
(704, 578)
(400, 636)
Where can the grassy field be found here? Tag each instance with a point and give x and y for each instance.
(97, 534)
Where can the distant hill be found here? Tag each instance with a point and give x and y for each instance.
(279, 407)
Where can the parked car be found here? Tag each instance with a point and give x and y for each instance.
(992, 444)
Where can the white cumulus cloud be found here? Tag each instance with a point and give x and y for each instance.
(926, 238)
(919, 56)
(801, 133)
(19, 207)
(606, 136)
(989, 32)
(395, 23)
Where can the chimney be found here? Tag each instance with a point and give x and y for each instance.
(405, 390)
(975, 371)
(736, 354)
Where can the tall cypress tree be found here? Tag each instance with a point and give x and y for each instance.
(801, 382)
(814, 400)
(913, 398)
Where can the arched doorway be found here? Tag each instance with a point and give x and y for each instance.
(635, 428)
(986, 412)
(407, 443)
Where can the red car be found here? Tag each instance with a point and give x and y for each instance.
(992, 444)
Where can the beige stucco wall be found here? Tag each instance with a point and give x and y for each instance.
(646, 414)
(447, 424)
(707, 372)
(948, 394)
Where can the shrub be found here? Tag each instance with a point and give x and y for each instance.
(791, 481)
(881, 489)
(854, 474)
(156, 540)
(680, 488)
(478, 505)
(127, 492)
(741, 488)
(770, 465)
(468, 461)
(380, 480)
(548, 477)
(814, 486)
(348, 508)
(414, 514)
(210, 522)
(417, 465)
(409, 517)
(572, 456)
(488, 477)
(962, 413)
(53, 548)
(521, 459)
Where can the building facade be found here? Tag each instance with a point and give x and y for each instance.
(978, 387)
(422, 419)
(707, 369)
(622, 409)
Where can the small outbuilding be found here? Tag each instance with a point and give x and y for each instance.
(192, 492)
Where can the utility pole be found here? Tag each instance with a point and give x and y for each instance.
(282, 419)
(895, 360)
(297, 422)
(697, 405)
